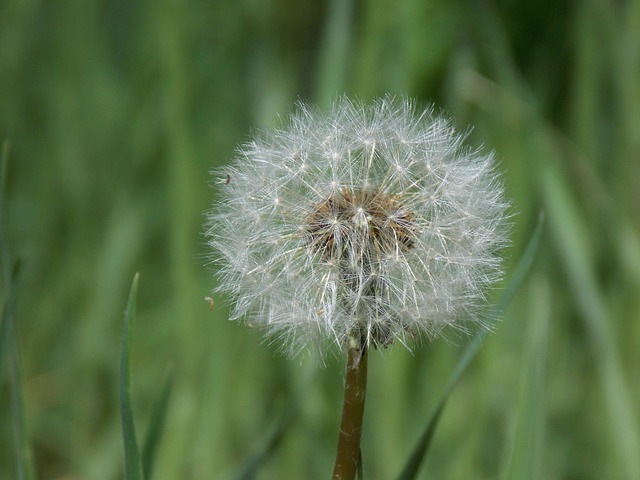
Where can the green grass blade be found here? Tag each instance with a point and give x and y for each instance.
(336, 49)
(268, 446)
(526, 460)
(25, 463)
(569, 230)
(7, 327)
(10, 346)
(156, 426)
(7, 308)
(5, 334)
(9, 341)
(422, 448)
(132, 462)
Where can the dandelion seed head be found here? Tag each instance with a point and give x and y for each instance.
(369, 220)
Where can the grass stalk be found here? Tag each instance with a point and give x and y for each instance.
(132, 460)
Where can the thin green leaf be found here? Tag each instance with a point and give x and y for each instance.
(7, 327)
(7, 280)
(525, 461)
(268, 446)
(10, 346)
(132, 463)
(335, 50)
(568, 227)
(9, 341)
(5, 334)
(422, 448)
(156, 426)
(25, 463)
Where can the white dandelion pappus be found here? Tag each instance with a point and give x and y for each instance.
(370, 221)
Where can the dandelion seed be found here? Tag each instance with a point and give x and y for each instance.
(211, 302)
(368, 222)
(225, 180)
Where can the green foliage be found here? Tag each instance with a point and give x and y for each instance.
(156, 427)
(421, 450)
(138, 464)
(132, 462)
(116, 111)
(10, 344)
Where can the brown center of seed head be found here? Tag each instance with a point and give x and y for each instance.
(361, 225)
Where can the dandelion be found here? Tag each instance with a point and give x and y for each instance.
(369, 221)
(360, 227)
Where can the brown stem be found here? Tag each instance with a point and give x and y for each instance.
(355, 387)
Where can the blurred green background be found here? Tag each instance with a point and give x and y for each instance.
(117, 110)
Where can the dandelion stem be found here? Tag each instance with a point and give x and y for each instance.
(355, 387)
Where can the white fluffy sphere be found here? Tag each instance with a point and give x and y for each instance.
(369, 221)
